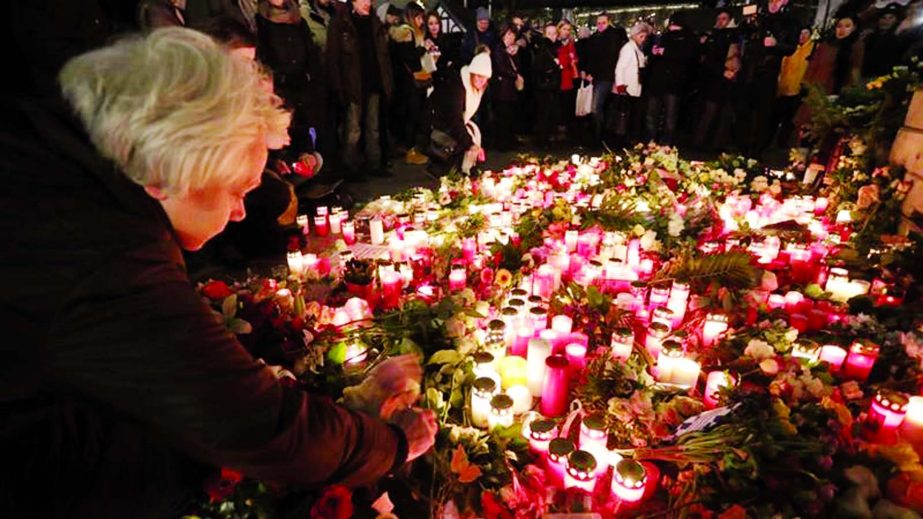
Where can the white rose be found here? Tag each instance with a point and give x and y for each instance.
(649, 240)
(759, 350)
(675, 226)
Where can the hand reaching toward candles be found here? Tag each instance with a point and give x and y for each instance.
(419, 426)
(392, 385)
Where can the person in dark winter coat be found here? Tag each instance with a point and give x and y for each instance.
(503, 87)
(599, 67)
(483, 33)
(443, 47)
(883, 48)
(546, 79)
(359, 72)
(451, 108)
(286, 46)
(769, 36)
(669, 65)
(411, 77)
(711, 132)
(120, 383)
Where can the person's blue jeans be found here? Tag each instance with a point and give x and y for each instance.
(601, 90)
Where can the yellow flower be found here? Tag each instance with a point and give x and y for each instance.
(841, 411)
(503, 278)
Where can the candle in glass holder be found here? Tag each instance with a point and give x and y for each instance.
(555, 386)
(659, 297)
(391, 284)
(495, 338)
(628, 481)
(671, 353)
(860, 360)
(349, 232)
(295, 262)
(322, 210)
(541, 432)
(594, 438)
(485, 366)
(377, 231)
(521, 340)
(580, 471)
(522, 399)
(911, 429)
(482, 392)
(336, 221)
(458, 278)
(662, 315)
(833, 355)
(539, 318)
(886, 413)
(622, 343)
(686, 373)
(838, 284)
(715, 326)
(558, 451)
(321, 227)
(576, 355)
(543, 281)
(713, 384)
(562, 323)
(656, 333)
(539, 351)
(501, 412)
(806, 350)
(513, 371)
(302, 221)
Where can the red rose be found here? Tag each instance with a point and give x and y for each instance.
(335, 503)
(493, 509)
(216, 290)
(220, 486)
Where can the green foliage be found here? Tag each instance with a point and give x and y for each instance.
(730, 270)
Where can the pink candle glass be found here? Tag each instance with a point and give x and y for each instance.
(349, 232)
(558, 451)
(713, 384)
(580, 471)
(458, 278)
(860, 360)
(555, 386)
(628, 481)
(833, 355)
(541, 432)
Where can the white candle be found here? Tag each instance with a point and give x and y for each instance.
(621, 344)
(522, 399)
(481, 394)
(501, 412)
(377, 231)
(539, 350)
(686, 372)
(336, 220)
(912, 426)
(295, 262)
(833, 355)
(715, 325)
(562, 323)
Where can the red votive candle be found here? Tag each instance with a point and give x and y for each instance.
(555, 386)
(391, 283)
(713, 384)
(458, 278)
(860, 360)
(349, 232)
(576, 355)
(886, 413)
(321, 226)
(799, 322)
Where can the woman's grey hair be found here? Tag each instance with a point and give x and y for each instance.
(174, 109)
(640, 27)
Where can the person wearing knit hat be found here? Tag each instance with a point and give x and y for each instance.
(454, 101)
(483, 33)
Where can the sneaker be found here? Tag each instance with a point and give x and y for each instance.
(416, 158)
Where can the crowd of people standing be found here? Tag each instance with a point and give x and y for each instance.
(370, 85)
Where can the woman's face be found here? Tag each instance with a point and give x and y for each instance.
(509, 38)
(551, 32)
(198, 216)
(434, 25)
(804, 36)
(478, 81)
(565, 32)
(640, 38)
(844, 28)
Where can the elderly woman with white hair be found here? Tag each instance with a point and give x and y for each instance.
(627, 83)
(119, 383)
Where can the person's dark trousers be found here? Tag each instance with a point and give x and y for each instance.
(415, 100)
(638, 109)
(504, 118)
(785, 109)
(756, 113)
(546, 106)
(666, 107)
(567, 104)
(714, 122)
(601, 91)
(362, 120)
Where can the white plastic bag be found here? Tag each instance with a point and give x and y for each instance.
(584, 100)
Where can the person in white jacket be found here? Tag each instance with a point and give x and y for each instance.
(627, 84)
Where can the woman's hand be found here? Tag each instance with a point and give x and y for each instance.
(419, 426)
